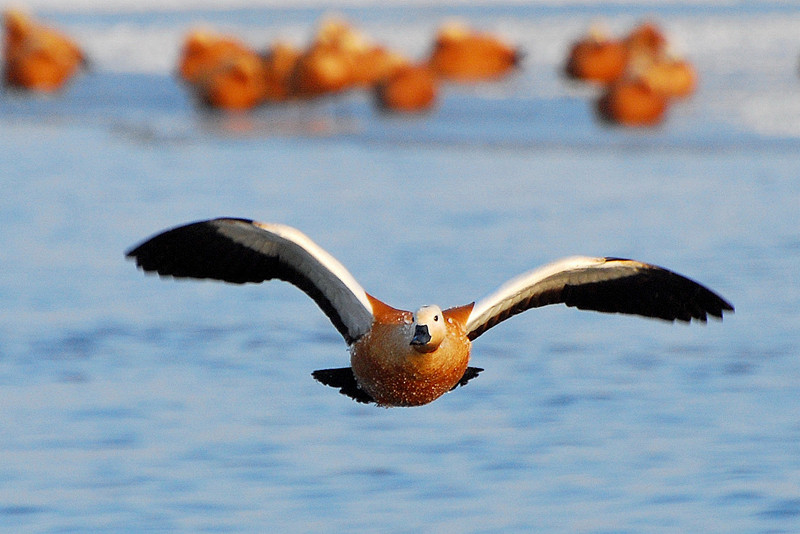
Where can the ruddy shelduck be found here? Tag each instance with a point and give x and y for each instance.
(597, 58)
(376, 64)
(411, 89)
(205, 50)
(632, 103)
(403, 358)
(279, 62)
(462, 54)
(222, 71)
(652, 60)
(328, 65)
(321, 71)
(237, 84)
(646, 41)
(38, 58)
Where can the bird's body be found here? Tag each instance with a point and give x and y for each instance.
(410, 89)
(632, 103)
(37, 57)
(222, 71)
(394, 371)
(597, 58)
(461, 54)
(400, 358)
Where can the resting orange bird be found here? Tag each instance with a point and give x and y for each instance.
(460, 53)
(597, 58)
(400, 358)
(37, 57)
(279, 61)
(204, 51)
(239, 83)
(411, 89)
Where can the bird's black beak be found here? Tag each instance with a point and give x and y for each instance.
(421, 335)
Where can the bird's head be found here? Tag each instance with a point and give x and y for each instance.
(429, 329)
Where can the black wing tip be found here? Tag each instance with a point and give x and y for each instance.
(134, 251)
(724, 306)
(167, 253)
(712, 304)
(343, 379)
(469, 374)
(704, 302)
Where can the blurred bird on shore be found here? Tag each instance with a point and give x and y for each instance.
(37, 57)
(222, 71)
(639, 74)
(411, 89)
(462, 54)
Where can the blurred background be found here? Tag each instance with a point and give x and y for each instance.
(131, 404)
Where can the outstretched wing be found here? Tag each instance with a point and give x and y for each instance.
(611, 285)
(241, 251)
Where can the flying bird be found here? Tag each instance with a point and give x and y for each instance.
(403, 358)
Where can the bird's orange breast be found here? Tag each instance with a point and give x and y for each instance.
(409, 89)
(632, 103)
(394, 374)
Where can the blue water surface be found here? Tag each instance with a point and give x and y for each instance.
(133, 404)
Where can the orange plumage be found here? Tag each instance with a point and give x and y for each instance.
(410, 89)
(328, 65)
(222, 71)
(37, 57)
(672, 77)
(597, 58)
(376, 64)
(279, 62)
(462, 54)
(632, 103)
(394, 373)
(237, 84)
(204, 51)
(646, 40)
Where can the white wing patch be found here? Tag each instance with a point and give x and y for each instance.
(323, 270)
(525, 285)
(244, 251)
(610, 285)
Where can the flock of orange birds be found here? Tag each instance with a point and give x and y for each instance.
(224, 72)
(639, 75)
